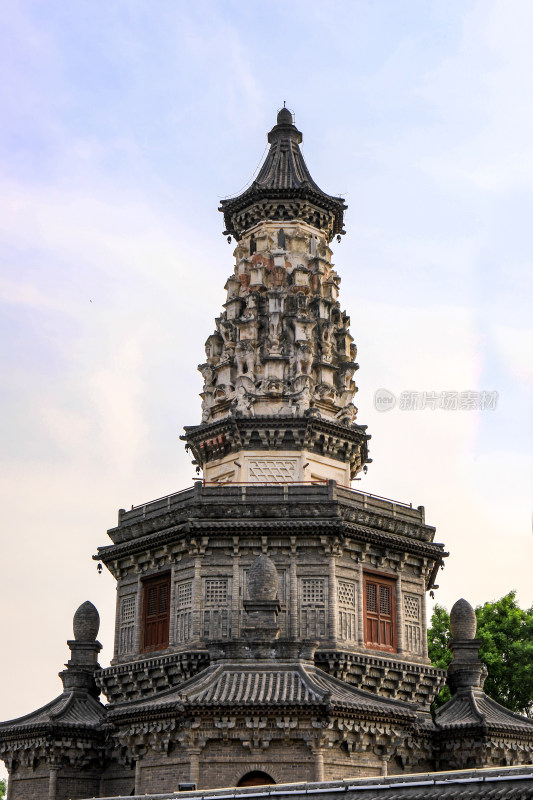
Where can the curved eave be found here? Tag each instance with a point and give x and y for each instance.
(314, 707)
(206, 430)
(486, 729)
(51, 727)
(475, 711)
(36, 718)
(256, 194)
(64, 712)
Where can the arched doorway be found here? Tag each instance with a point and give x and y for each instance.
(256, 778)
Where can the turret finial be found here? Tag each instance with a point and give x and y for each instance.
(463, 621)
(466, 671)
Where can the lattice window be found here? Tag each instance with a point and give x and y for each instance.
(384, 600)
(312, 614)
(184, 594)
(184, 611)
(413, 627)
(372, 597)
(271, 470)
(215, 592)
(127, 625)
(346, 593)
(216, 613)
(411, 607)
(347, 621)
(127, 610)
(312, 591)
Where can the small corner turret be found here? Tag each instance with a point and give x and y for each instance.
(473, 728)
(58, 751)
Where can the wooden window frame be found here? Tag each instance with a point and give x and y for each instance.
(162, 618)
(381, 621)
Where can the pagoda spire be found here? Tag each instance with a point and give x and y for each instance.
(283, 177)
(278, 376)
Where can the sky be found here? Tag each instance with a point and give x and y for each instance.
(123, 125)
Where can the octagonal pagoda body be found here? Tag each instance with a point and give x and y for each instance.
(278, 444)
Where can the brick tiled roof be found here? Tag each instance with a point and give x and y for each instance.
(284, 174)
(473, 707)
(70, 708)
(282, 684)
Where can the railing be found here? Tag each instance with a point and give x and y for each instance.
(376, 496)
(264, 483)
(321, 482)
(157, 500)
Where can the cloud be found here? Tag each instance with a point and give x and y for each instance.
(515, 347)
(479, 94)
(23, 294)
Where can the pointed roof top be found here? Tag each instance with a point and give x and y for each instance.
(284, 176)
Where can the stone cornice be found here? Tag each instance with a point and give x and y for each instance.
(255, 527)
(124, 716)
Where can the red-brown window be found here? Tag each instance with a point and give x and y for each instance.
(379, 612)
(156, 612)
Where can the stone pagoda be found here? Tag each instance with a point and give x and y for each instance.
(270, 622)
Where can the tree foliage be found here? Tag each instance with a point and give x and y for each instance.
(2, 789)
(506, 634)
(438, 651)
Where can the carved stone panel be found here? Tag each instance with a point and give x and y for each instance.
(272, 470)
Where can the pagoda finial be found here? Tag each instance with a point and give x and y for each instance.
(466, 671)
(84, 649)
(284, 118)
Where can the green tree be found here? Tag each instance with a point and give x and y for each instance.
(506, 634)
(439, 654)
(2, 789)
